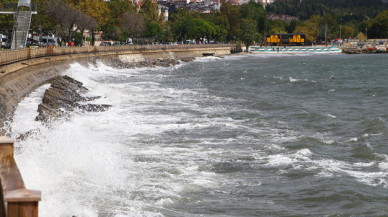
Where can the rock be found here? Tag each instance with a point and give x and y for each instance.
(187, 59)
(64, 96)
(26, 135)
(160, 62)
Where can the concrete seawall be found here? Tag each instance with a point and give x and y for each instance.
(19, 78)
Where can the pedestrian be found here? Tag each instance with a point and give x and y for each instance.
(67, 44)
(71, 44)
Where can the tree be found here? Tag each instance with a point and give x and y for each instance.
(220, 21)
(48, 23)
(152, 30)
(149, 10)
(361, 36)
(292, 25)
(255, 11)
(380, 25)
(97, 9)
(278, 26)
(232, 14)
(68, 17)
(198, 29)
(347, 31)
(133, 22)
(248, 32)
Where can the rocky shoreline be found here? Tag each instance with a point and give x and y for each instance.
(63, 97)
(65, 94)
(150, 63)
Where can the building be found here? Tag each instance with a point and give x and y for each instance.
(286, 18)
(163, 9)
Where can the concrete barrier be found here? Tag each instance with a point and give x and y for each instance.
(18, 55)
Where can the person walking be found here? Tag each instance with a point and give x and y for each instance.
(71, 44)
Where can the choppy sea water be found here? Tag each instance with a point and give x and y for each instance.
(256, 135)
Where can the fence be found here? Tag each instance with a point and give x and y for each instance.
(8, 57)
(20, 201)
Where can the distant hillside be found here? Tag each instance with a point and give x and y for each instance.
(347, 9)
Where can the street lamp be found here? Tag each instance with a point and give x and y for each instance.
(40, 34)
(341, 29)
(15, 27)
(64, 33)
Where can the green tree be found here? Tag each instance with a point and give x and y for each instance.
(361, 36)
(152, 30)
(149, 10)
(347, 32)
(255, 11)
(248, 32)
(278, 26)
(380, 25)
(97, 9)
(232, 14)
(112, 28)
(48, 23)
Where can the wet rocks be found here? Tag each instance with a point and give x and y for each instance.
(187, 59)
(64, 96)
(159, 62)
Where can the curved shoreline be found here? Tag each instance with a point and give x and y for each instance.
(21, 78)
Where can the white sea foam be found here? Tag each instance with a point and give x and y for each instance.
(24, 116)
(354, 139)
(143, 155)
(331, 116)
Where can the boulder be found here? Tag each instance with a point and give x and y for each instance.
(64, 96)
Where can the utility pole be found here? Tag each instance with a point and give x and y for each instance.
(326, 32)
(340, 29)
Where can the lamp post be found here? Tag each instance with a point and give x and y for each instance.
(366, 33)
(15, 27)
(341, 29)
(6, 33)
(326, 34)
(40, 35)
(162, 38)
(64, 33)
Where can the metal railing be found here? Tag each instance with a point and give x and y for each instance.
(8, 57)
(13, 7)
(20, 201)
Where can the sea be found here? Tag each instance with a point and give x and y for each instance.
(245, 135)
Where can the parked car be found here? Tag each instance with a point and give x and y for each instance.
(47, 41)
(5, 43)
(105, 43)
(117, 43)
(32, 42)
